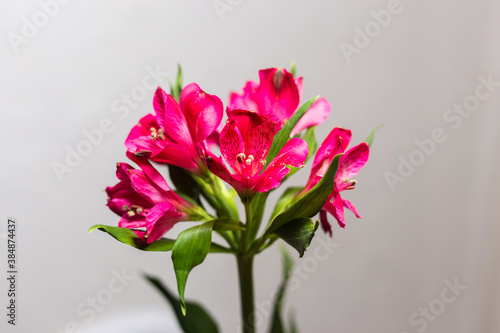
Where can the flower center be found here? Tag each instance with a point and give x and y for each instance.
(352, 183)
(132, 210)
(241, 158)
(157, 135)
(248, 165)
(278, 79)
(249, 160)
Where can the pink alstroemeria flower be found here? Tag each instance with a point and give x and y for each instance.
(245, 141)
(279, 94)
(349, 165)
(177, 134)
(143, 200)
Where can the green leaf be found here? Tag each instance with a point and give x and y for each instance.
(190, 250)
(277, 322)
(309, 204)
(282, 137)
(258, 207)
(293, 324)
(184, 183)
(227, 225)
(176, 89)
(197, 320)
(222, 200)
(298, 233)
(128, 236)
(285, 200)
(293, 67)
(216, 248)
(370, 138)
(310, 138)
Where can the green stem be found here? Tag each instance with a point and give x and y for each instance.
(229, 239)
(249, 221)
(223, 198)
(220, 199)
(245, 273)
(217, 195)
(203, 215)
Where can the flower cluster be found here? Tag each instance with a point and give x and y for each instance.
(266, 136)
(186, 130)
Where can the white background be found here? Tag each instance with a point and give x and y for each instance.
(440, 224)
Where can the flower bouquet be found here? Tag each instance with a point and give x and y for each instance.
(266, 138)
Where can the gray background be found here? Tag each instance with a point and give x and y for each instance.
(439, 225)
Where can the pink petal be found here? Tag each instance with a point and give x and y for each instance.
(141, 234)
(247, 100)
(176, 154)
(351, 207)
(147, 189)
(122, 171)
(325, 225)
(256, 131)
(161, 218)
(249, 134)
(142, 128)
(350, 164)
(150, 171)
(154, 182)
(171, 119)
(294, 153)
(259, 139)
(203, 112)
(300, 86)
(317, 114)
(122, 194)
(139, 139)
(218, 168)
(145, 146)
(334, 144)
(278, 93)
(213, 140)
(335, 206)
(131, 222)
(231, 144)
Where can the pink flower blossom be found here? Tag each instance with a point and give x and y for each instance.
(143, 200)
(245, 141)
(349, 165)
(279, 94)
(177, 134)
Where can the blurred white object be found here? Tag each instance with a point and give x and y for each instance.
(151, 320)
